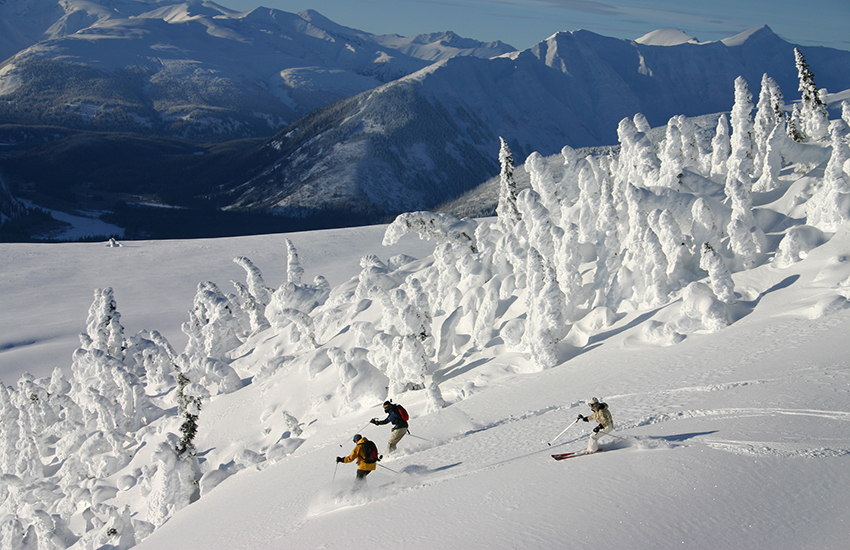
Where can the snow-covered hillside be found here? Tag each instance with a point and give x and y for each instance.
(191, 69)
(698, 285)
(429, 137)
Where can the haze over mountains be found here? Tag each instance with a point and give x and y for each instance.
(317, 122)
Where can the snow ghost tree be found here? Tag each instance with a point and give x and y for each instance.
(294, 271)
(213, 329)
(829, 207)
(812, 118)
(172, 483)
(769, 115)
(721, 148)
(718, 274)
(103, 326)
(740, 163)
(256, 296)
(506, 209)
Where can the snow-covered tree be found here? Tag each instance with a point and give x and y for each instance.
(506, 208)
(213, 329)
(718, 274)
(829, 207)
(812, 119)
(704, 228)
(637, 161)
(740, 163)
(256, 296)
(721, 148)
(769, 115)
(772, 160)
(103, 326)
(700, 303)
(408, 365)
(171, 482)
(441, 228)
(294, 271)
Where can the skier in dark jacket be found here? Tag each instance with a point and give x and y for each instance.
(399, 425)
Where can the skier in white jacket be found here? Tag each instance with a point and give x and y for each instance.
(602, 416)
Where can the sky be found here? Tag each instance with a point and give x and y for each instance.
(523, 23)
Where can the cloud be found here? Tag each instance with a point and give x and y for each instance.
(585, 6)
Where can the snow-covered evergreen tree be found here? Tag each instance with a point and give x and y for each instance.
(721, 148)
(213, 328)
(829, 207)
(506, 208)
(718, 274)
(256, 296)
(103, 326)
(740, 163)
(171, 481)
(294, 271)
(812, 119)
(769, 115)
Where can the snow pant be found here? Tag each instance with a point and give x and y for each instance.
(593, 442)
(360, 480)
(395, 437)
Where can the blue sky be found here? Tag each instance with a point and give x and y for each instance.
(523, 23)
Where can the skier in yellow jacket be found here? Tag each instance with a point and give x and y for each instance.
(602, 416)
(364, 467)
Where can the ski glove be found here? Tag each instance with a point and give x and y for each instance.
(580, 417)
(340, 459)
(597, 428)
(374, 421)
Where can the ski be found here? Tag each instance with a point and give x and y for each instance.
(563, 456)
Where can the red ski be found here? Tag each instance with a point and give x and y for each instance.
(562, 456)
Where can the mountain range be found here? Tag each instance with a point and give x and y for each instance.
(114, 105)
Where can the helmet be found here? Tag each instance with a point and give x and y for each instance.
(387, 405)
(357, 437)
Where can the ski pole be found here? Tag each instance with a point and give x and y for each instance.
(562, 433)
(385, 468)
(416, 436)
(360, 430)
(334, 477)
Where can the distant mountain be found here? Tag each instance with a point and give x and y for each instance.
(344, 126)
(426, 138)
(193, 70)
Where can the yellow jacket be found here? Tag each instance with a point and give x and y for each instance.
(357, 454)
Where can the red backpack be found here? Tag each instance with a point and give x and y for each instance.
(402, 413)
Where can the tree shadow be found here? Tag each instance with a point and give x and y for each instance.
(450, 372)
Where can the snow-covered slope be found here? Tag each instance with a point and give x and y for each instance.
(193, 69)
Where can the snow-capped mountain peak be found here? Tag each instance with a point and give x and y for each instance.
(666, 37)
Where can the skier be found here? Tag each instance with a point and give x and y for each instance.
(396, 416)
(602, 416)
(364, 468)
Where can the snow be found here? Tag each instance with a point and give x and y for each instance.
(728, 385)
(736, 439)
(666, 37)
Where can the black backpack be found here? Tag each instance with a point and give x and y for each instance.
(370, 452)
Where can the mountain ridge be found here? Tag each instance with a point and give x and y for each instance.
(571, 89)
